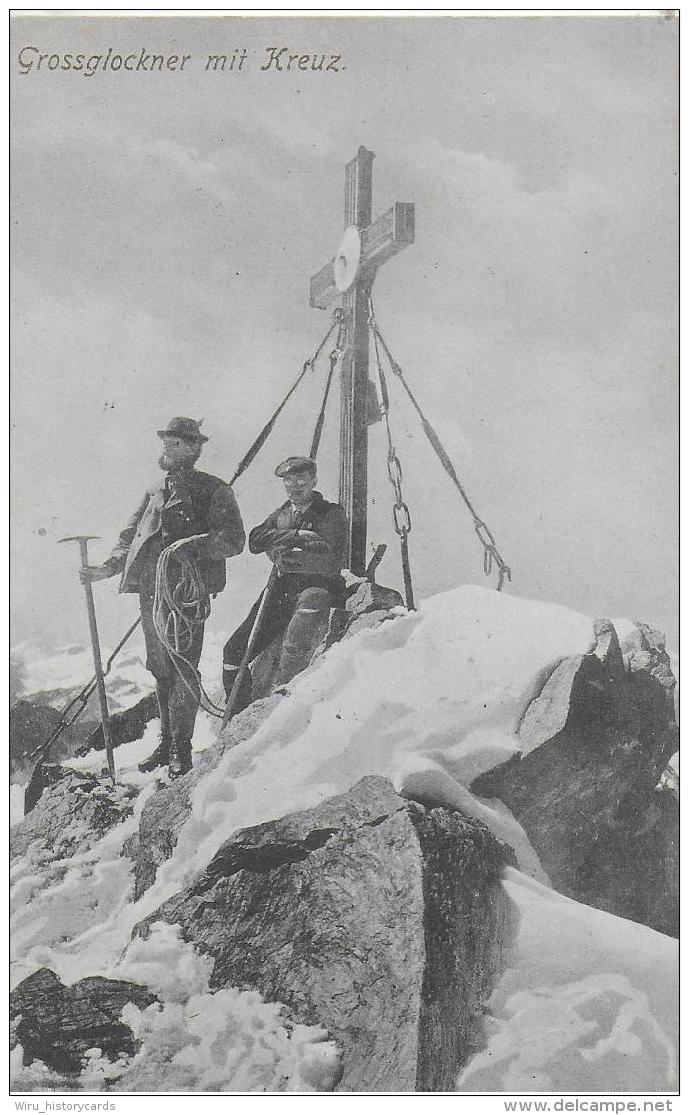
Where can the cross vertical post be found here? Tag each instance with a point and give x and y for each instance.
(354, 380)
(366, 246)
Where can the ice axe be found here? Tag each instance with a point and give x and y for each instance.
(83, 540)
(248, 653)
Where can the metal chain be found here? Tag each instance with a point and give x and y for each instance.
(401, 516)
(491, 554)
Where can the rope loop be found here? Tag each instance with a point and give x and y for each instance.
(484, 535)
(403, 528)
(491, 554)
(395, 473)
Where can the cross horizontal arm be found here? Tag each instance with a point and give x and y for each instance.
(387, 236)
(384, 238)
(323, 291)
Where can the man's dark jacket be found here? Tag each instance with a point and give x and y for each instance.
(320, 562)
(177, 507)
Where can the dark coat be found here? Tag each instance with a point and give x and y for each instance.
(320, 562)
(200, 504)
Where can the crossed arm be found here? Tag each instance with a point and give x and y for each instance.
(331, 538)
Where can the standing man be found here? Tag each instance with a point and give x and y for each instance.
(306, 539)
(186, 503)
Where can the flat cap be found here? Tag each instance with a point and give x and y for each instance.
(295, 465)
(186, 428)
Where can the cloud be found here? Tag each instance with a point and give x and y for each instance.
(164, 238)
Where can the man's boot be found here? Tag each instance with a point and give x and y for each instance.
(180, 758)
(162, 752)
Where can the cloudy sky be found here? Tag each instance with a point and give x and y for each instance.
(165, 226)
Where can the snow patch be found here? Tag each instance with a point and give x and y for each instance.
(588, 1002)
(432, 697)
(430, 701)
(436, 695)
(67, 914)
(197, 1040)
(17, 791)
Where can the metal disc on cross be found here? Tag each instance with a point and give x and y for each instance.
(348, 259)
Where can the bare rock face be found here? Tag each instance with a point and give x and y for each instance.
(166, 811)
(58, 1024)
(595, 743)
(364, 596)
(74, 811)
(371, 915)
(125, 726)
(31, 724)
(643, 652)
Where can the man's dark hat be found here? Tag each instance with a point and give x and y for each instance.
(295, 465)
(186, 428)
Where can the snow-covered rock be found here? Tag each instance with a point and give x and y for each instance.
(70, 819)
(166, 811)
(377, 918)
(432, 701)
(594, 745)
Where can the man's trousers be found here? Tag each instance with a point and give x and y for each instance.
(178, 699)
(300, 613)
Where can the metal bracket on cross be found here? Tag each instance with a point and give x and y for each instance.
(388, 235)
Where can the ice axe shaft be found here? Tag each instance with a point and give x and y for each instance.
(248, 653)
(83, 540)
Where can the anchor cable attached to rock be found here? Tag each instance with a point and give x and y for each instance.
(400, 512)
(490, 550)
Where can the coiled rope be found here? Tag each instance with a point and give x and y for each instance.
(181, 606)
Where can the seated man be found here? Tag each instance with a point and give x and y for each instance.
(306, 539)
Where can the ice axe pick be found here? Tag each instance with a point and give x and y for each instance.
(83, 540)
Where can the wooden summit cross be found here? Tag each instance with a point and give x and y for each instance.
(365, 246)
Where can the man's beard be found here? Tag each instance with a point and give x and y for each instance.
(169, 464)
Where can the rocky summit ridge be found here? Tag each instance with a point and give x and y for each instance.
(366, 898)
